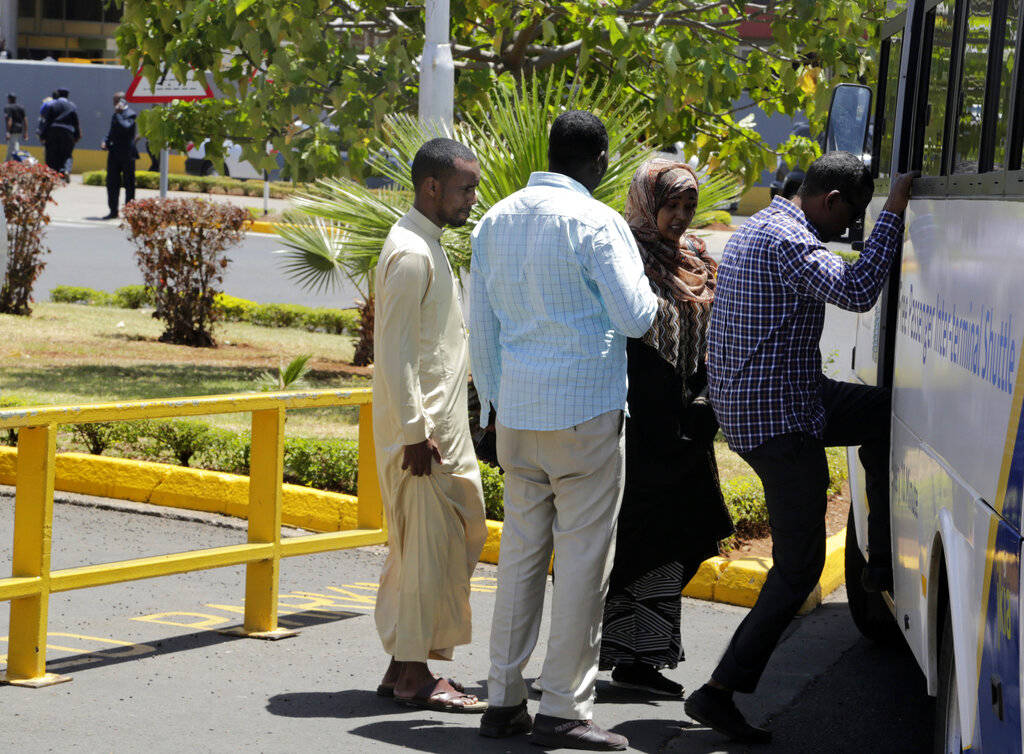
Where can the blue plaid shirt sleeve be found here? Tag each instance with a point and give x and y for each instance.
(813, 270)
(484, 345)
(614, 265)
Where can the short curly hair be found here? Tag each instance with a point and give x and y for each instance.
(436, 159)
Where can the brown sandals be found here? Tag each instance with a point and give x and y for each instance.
(387, 690)
(443, 695)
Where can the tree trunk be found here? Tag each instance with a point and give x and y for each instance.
(364, 348)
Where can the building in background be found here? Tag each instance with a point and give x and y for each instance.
(70, 30)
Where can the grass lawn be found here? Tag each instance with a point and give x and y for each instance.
(70, 353)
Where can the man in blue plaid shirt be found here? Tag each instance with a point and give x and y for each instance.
(779, 412)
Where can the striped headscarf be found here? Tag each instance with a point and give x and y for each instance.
(681, 274)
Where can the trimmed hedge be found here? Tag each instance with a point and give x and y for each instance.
(230, 309)
(337, 321)
(125, 297)
(203, 184)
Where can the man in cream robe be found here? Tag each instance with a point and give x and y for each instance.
(429, 477)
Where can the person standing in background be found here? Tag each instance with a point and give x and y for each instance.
(15, 125)
(59, 131)
(121, 154)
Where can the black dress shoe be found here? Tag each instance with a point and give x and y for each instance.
(563, 733)
(110, 216)
(717, 710)
(643, 677)
(502, 722)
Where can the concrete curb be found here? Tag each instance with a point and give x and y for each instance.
(261, 226)
(736, 582)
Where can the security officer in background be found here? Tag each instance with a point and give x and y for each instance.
(121, 154)
(59, 131)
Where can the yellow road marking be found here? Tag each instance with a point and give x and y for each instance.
(205, 619)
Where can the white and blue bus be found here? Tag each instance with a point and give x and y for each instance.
(946, 336)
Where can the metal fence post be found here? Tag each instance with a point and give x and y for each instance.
(266, 469)
(33, 529)
(370, 508)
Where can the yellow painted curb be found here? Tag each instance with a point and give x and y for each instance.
(261, 226)
(736, 582)
(192, 489)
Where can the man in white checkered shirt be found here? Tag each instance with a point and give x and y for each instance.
(557, 286)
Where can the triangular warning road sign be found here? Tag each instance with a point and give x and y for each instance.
(168, 89)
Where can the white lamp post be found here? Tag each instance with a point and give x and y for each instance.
(437, 69)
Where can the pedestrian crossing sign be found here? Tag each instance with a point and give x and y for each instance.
(168, 88)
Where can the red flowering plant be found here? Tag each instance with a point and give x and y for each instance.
(25, 191)
(180, 247)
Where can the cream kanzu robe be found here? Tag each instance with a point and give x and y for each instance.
(436, 526)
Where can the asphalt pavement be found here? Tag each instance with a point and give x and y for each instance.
(151, 672)
(99, 255)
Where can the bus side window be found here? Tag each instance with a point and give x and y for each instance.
(967, 136)
(885, 116)
(939, 31)
(1005, 72)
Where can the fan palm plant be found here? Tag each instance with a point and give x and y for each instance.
(346, 223)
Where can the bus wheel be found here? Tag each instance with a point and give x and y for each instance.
(869, 611)
(948, 735)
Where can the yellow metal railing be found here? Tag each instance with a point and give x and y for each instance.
(32, 581)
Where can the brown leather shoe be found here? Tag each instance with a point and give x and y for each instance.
(562, 733)
(502, 722)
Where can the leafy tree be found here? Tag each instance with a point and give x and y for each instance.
(317, 77)
(346, 223)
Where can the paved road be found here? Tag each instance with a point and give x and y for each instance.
(151, 672)
(98, 255)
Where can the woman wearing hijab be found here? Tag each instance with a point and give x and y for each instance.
(673, 514)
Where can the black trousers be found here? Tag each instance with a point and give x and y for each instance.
(120, 172)
(60, 144)
(794, 472)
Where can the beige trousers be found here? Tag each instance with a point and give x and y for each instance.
(563, 489)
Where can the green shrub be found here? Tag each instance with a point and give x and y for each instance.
(203, 184)
(277, 315)
(335, 321)
(493, 481)
(224, 450)
(133, 297)
(180, 247)
(744, 497)
(838, 470)
(73, 294)
(322, 464)
(233, 309)
(182, 438)
(96, 437)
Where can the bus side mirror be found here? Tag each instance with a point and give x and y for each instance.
(849, 116)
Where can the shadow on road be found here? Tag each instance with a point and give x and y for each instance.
(183, 643)
(873, 699)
